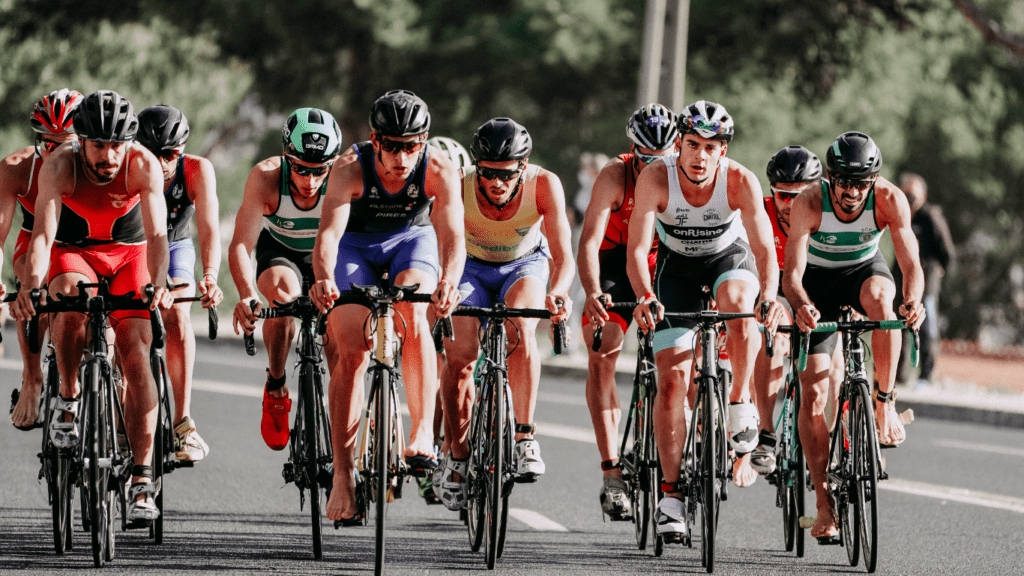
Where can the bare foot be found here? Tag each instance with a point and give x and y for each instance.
(743, 474)
(890, 427)
(342, 504)
(825, 525)
(421, 447)
(26, 413)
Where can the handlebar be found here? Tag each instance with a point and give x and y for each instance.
(500, 312)
(854, 326)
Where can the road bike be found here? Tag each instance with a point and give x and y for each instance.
(310, 454)
(492, 428)
(854, 469)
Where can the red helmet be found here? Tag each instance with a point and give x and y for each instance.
(53, 113)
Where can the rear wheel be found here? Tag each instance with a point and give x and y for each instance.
(865, 459)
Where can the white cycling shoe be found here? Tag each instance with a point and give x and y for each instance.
(64, 435)
(744, 422)
(188, 445)
(452, 493)
(529, 464)
(670, 517)
(145, 509)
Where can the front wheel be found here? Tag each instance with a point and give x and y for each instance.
(865, 464)
(496, 469)
(310, 455)
(382, 463)
(97, 452)
(476, 504)
(710, 492)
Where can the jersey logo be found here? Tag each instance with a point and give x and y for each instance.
(286, 224)
(866, 237)
(712, 216)
(831, 240)
(629, 205)
(176, 193)
(413, 191)
(374, 193)
(523, 231)
(118, 200)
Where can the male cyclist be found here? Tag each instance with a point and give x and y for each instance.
(602, 264)
(832, 260)
(515, 224)
(19, 185)
(190, 187)
(279, 216)
(106, 195)
(698, 200)
(394, 210)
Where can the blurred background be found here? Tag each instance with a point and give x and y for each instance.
(938, 84)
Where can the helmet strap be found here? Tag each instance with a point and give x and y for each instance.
(515, 192)
(698, 182)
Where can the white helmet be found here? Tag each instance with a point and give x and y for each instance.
(456, 153)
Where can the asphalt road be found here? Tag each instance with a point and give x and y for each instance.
(954, 505)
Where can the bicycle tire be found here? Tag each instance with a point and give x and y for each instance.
(509, 483)
(865, 458)
(846, 501)
(97, 477)
(477, 501)
(639, 482)
(57, 470)
(787, 473)
(651, 468)
(496, 476)
(709, 487)
(163, 435)
(310, 454)
(800, 474)
(382, 463)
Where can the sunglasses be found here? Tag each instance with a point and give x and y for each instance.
(784, 195)
(169, 155)
(395, 146)
(497, 174)
(47, 145)
(842, 182)
(646, 158)
(299, 170)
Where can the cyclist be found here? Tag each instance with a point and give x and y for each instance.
(19, 185)
(832, 260)
(381, 214)
(698, 200)
(515, 224)
(190, 187)
(279, 216)
(602, 265)
(106, 196)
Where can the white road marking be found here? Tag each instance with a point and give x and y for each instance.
(575, 433)
(980, 447)
(10, 364)
(962, 495)
(536, 521)
(570, 399)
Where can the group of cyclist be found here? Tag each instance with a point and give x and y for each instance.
(474, 228)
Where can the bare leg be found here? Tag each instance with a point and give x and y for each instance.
(602, 396)
(815, 438)
(876, 297)
(419, 365)
(670, 427)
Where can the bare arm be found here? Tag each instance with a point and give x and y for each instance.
(202, 185)
(258, 200)
(651, 198)
(13, 181)
(448, 217)
(145, 179)
(551, 205)
(804, 220)
(746, 197)
(606, 197)
(56, 180)
(893, 212)
(343, 184)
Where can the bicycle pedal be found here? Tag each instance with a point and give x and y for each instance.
(139, 525)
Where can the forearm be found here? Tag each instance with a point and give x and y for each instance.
(157, 259)
(590, 268)
(209, 248)
(325, 255)
(562, 273)
(453, 260)
(240, 265)
(768, 269)
(638, 272)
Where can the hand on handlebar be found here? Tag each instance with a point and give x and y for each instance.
(914, 314)
(244, 315)
(212, 294)
(23, 309)
(445, 298)
(559, 305)
(648, 313)
(323, 293)
(162, 298)
(772, 319)
(807, 317)
(594, 310)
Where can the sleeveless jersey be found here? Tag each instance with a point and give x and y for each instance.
(838, 244)
(179, 208)
(28, 201)
(505, 240)
(617, 232)
(377, 210)
(290, 225)
(698, 231)
(93, 215)
(777, 233)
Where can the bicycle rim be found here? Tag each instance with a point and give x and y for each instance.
(799, 476)
(95, 448)
(310, 455)
(709, 485)
(866, 467)
(639, 481)
(57, 479)
(846, 501)
(496, 470)
(163, 445)
(382, 463)
(477, 501)
(653, 472)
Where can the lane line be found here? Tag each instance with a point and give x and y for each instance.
(980, 447)
(962, 495)
(536, 521)
(557, 398)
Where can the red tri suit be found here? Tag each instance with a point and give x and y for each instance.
(777, 233)
(28, 208)
(101, 234)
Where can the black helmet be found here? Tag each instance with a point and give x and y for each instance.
(854, 155)
(162, 128)
(794, 164)
(106, 116)
(653, 126)
(501, 140)
(399, 113)
(708, 120)
(312, 135)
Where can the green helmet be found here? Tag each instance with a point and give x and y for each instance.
(312, 135)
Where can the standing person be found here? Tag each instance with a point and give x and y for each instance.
(396, 209)
(517, 234)
(832, 260)
(279, 216)
(602, 265)
(701, 202)
(51, 120)
(190, 187)
(937, 253)
(107, 197)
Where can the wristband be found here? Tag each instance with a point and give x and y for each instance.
(648, 296)
(446, 281)
(205, 276)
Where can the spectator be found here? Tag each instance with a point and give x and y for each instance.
(937, 254)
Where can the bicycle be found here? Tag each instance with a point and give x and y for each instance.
(98, 463)
(492, 427)
(310, 454)
(853, 469)
(638, 453)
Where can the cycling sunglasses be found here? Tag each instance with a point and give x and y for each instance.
(169, 155)
(299, 170)
(784, 195)
(498, 174)
(843, 182)
(395, 146)
(646, 158)
(47, 145)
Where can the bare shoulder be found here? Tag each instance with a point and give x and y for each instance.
(548, 178)
(197, 164)
(19, 159)
(613, 172)
(656, 174)
(15, 170)
(441, 174)
(888, 194)
(740, 178)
